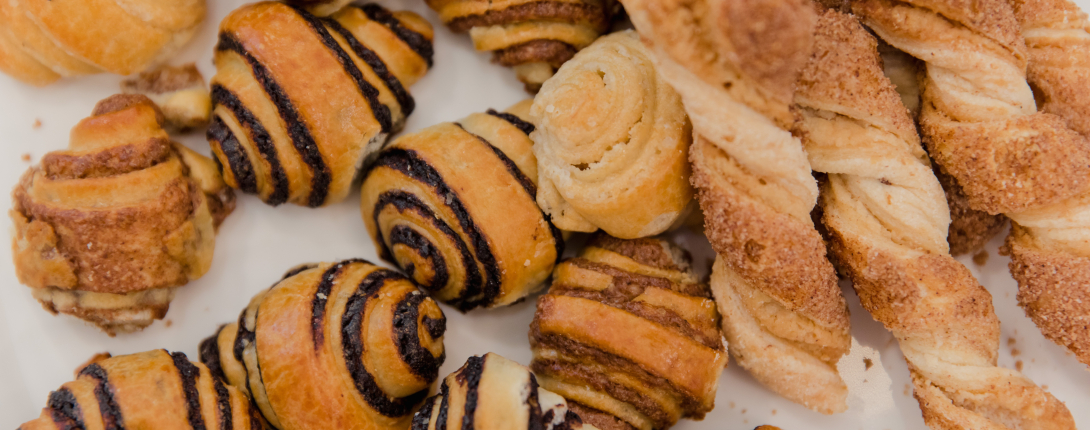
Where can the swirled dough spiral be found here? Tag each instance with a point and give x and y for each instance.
(734, 64)
(42, 41)
(155, 389)
(106, 229)
(535, 37)
(180, 93)
(490, 392)
(628, 334)
(453, 205)
(887, 220)
(333, 345)
(612, 142)
(299, 102)
(981, 124)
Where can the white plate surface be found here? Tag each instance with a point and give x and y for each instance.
(258, 243)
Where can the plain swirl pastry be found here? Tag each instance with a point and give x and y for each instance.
(612, 142)
(535, 37)
(154, 389)
(490, 392)
(629, 336)
(105, 229)
(453, 205)
(333, 345)
(42, 41)
(735, 64)
(887, 220)
(299, 102)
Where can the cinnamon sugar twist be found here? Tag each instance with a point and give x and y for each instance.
(887, 218)
(981, 124)
(734, 65)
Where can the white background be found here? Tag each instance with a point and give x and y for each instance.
(257, 243)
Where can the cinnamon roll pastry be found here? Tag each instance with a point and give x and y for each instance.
(333, 345)
(735, 65)
(535, 37)
(180, 93)
(43, 41)
(612, 142)
(887, 219)
(154, 389)
(453, 205)
(981, 123)
(490, 392)
(106, 229)
(299, 102)
(629, 335)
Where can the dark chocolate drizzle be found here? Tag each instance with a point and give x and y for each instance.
(209, 354)
(321, 297)
(298, 131)
(472, 374)
(107, 405)
(405, 235)
(188, 373)
(404, 100)
(65, 410)
(524, 126)
(416, 41)
(407, 338)
(258, 135)
(351, 325)
(223, 404)
(237, 160)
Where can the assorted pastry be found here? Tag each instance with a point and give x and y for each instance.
(870, 139)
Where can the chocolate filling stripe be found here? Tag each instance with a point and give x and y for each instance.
(404, 100)
(423, 416)
(405, 235)
(256, 422)
(188, 373)
(537, 421)
(209, 354)
(258, 135)
(223, 404)
(300, 134)
(444, 405)
(472, 374)
(65, 410)
(409, 163)
(351, 325)
(237, 160)
(107, 406)
(523, 126)
(407, 338)
(321, 297)
(380, 112)
(416, 41)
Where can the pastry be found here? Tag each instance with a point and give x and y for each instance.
(155, 389)
(629, 336)
(43, 41)
(534, 37)
(981, 123)
(299, 102)
(735, 65)
(333, 345)
(453, 205)
(321, 7)
(491, 393)
(179, 92)
(612, 142)
(108, 228)
(886, 216)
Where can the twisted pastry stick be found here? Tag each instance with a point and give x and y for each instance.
(887, 219)
(611, 143)
(492, 393)
(333, 345)
(453, 205)
(629, 336)
(43, 41)
(154, 389)
(106, 229)
(734, 64)
(301, 101)
(980, 123)
(534, 37)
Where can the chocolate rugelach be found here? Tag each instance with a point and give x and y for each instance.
(348, 321)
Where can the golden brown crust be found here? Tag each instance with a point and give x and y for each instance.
(970, 229)
(599, 419)
(553, 52)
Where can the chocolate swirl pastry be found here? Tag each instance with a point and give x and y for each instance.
(333, 344)
(105, 229)
(453, 205)
(534, 37)
(629, 336)
(153, 389)
(300, 101)
(492, 392)
(43, 41)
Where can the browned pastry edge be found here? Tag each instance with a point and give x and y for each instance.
(553, 52)
(646, 251)
(119, 102)
(970, 229)
(111, 161)
(107, 319)
(593, 15)
(599, 419)
(164, 80)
